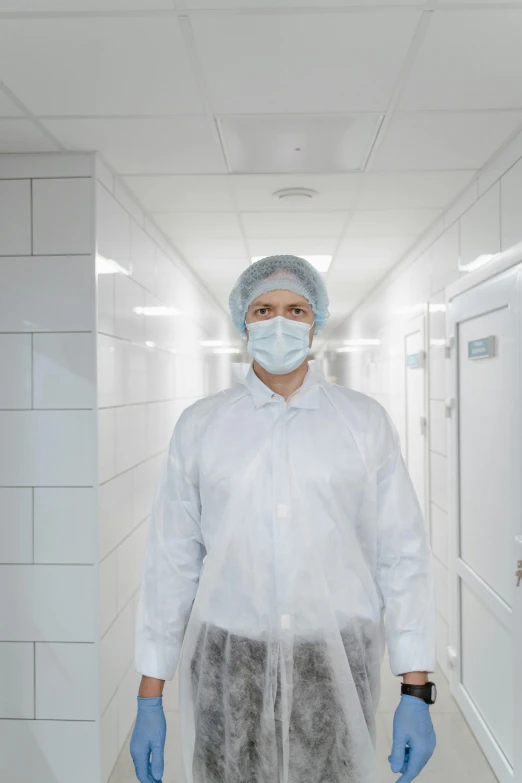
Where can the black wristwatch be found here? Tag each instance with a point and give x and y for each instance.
(427, 693)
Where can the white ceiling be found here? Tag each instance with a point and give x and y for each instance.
(207, 107)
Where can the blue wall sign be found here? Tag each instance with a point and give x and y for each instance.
(481, 349)
(414, 361)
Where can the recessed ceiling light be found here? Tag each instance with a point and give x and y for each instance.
(295, 195)
(321, 263)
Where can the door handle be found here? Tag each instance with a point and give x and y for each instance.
(518, 575)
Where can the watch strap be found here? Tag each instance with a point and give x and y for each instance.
(427, 693)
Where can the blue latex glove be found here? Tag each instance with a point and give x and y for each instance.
(413, 738)
(150, 731)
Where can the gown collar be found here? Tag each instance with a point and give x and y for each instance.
(307, 396)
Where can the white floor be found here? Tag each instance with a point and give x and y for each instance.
(457, 757)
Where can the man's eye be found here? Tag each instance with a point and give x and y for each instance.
(262, 311)
(298, 311)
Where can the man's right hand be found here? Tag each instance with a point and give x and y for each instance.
(150, 731)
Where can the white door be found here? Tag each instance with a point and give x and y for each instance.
(486, 467)
(416, 426)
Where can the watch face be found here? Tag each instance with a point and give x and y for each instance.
(433, 693)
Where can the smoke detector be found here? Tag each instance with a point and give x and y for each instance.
(295, 195)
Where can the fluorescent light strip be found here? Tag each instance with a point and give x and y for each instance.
(362, 341)
(161, 310)
(108, 266)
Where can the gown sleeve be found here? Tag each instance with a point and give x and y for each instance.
(404, 563)
(173, 560)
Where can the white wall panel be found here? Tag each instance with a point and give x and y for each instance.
(112, 228)
(438, 427)
(109, 747)
(131, 436)
(47, 448)
(105, 302)
(66, 679)
(511, 206)
(127, 703)
(444, 259)
(480, 227)
(115, 512)
(128, 325)
(63, 371)
(442, 589)
(47, 750)
(16, 525)
(17, 678)
(108, 387)
(143, 257)
(29, 304)
(65, 527)
(144, 479)
(438, 368)
(106, 444)
(15, 217)
(15, 361)
(482, 631)
(439, 482)
(62, 216)
(116, 654)
(48, 603)
(439, 533)
(442, 643)
(108, 592)
(130, 555)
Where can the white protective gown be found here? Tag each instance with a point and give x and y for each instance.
(316, 554)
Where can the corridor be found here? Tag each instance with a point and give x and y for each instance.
(153, 155)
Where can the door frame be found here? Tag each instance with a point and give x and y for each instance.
(478, 293)
(416, 324)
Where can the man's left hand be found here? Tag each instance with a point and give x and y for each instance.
(413, 738)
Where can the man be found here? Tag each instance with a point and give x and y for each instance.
(286, 544)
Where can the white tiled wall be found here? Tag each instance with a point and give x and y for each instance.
(149, 369)
(484, 220)
(47, 470)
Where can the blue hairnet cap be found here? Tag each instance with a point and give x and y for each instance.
(274, 273)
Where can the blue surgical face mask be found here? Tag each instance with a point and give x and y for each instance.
(279, 345)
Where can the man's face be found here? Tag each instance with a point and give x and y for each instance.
(281, 303)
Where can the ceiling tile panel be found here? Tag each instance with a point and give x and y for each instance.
(391, 222)
(468, 61)
(391, 247)
(257, 144)
(274, 225)
(296, 246)
(412, 189)
(145, 144)
(193, 226)
(115, 66)
(23, 136)
(183, 193)
(303, 63)
(358, 270)
(255, 193)
(218, 248)
(279, 4)
(438, 140)
(85, 5)
(7, 107)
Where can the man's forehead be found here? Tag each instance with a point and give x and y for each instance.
(291, 299)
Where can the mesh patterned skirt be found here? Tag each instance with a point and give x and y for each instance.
(238, 737)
